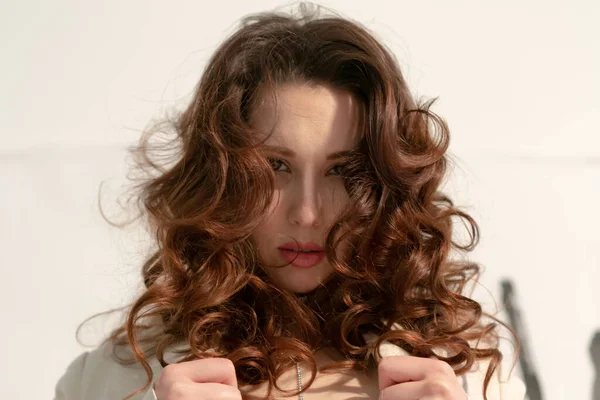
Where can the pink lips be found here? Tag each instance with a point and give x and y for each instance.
(302, 255)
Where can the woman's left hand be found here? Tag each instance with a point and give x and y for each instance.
(410, 378)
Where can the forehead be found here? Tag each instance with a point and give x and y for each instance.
(309, 117)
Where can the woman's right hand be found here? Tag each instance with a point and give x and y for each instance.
(203, 379)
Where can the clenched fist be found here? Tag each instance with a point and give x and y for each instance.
(409, 378)
(204, 379)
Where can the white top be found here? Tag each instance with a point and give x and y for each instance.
(94, 375)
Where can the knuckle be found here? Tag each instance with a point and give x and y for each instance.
(168, 373)
(177, 390)
(227, 364)
(233, 394)
(384, 365)
(438, 387)
(444, 368)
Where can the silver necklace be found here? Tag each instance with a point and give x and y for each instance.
(301, 395)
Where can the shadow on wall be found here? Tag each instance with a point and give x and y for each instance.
(595, 353)
(532, 384)
(530, 377)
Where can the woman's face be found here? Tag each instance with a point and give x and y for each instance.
(310, 125)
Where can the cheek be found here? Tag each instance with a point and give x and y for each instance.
(274, 205)
(271, 220)
(339, 198)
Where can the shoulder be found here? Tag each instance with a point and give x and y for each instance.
(96, 375)
(68, 386)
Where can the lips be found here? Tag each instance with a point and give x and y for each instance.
(299, 246)
(302, 255)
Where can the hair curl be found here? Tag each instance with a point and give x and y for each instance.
(205, 284)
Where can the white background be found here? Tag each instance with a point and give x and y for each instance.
(517, 82)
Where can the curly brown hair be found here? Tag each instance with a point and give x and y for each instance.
(205, 284)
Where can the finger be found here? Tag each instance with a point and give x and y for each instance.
(399, 369)
(402, 391)
(200, 391)
(216, 370)
(217, 391)
(434, 389)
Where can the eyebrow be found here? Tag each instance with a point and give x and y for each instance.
(284, 151)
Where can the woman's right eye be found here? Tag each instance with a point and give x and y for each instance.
(276, 164)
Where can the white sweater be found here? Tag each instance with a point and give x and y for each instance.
(94, 375)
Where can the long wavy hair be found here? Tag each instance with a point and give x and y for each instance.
(209, 187)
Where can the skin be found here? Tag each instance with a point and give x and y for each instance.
(313, 121)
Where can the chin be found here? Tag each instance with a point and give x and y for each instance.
(299, 287)
(300, 283)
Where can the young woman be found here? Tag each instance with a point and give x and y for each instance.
(303, 247)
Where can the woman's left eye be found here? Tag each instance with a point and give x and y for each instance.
(338, 168)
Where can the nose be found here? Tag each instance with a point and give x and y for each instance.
(306, 206)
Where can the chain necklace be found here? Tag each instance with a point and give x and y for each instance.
(301, 395)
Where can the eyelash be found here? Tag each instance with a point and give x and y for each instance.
(273, 160)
